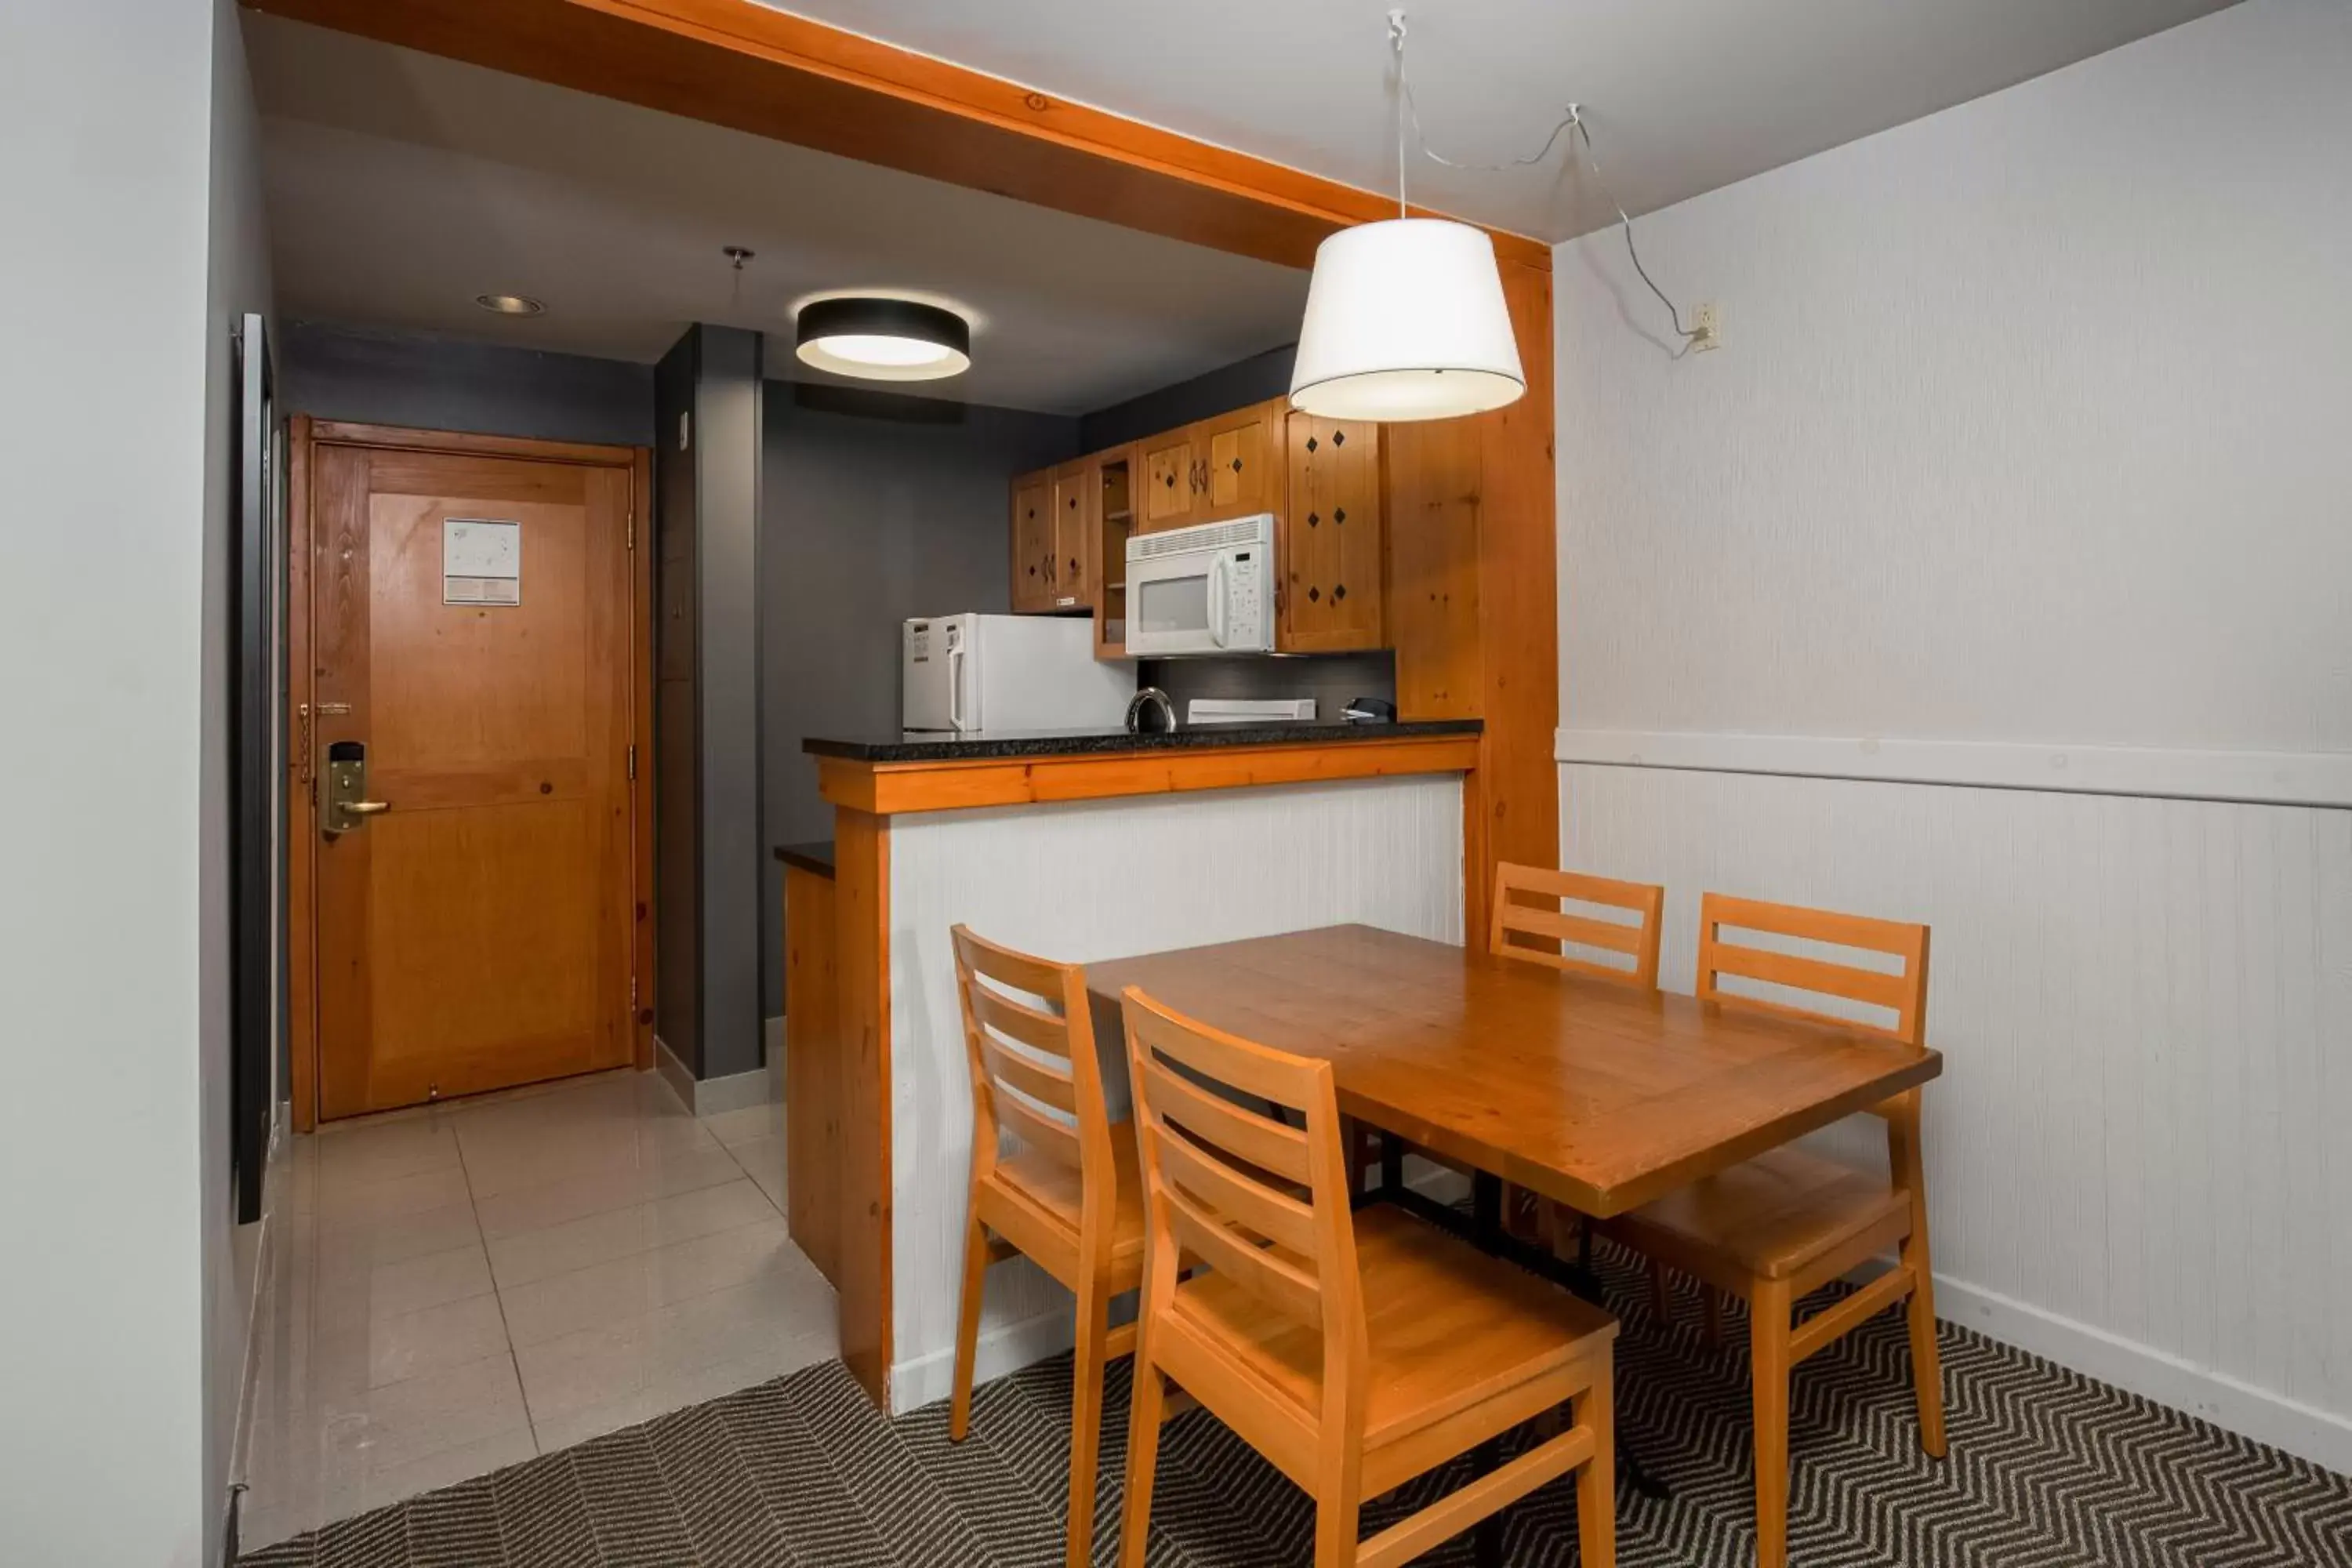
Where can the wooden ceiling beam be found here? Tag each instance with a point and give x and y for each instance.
(749, 68)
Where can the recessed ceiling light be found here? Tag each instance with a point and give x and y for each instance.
(884, 340)
(509, 304)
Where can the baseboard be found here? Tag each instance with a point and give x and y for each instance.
(260, 1300)
(2318, 1436)
(734, 1092)
(1006, 1349)
(674, 1072)
(772, 1043)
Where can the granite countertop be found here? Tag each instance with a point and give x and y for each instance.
(817, 855)
(934, 746)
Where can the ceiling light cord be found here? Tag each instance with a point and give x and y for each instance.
(1408, 110)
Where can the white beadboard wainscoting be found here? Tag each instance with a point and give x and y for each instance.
(2139, 1156)
(1094, 880)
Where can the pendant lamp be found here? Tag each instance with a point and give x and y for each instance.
(1405, 317)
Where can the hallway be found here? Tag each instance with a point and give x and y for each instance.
(460, 1287)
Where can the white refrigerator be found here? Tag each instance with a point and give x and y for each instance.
(961, 673)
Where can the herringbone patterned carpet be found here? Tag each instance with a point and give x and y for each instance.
(2046, 1468)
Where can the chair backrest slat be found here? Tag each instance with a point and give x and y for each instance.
(1046, 1134)
(1903, 993)
(1240, 1197)
(1047, 1085)
(1017, 1021)
(1281, 1283)
(1548, 923)
(1261, 1202)
(1033, 1072)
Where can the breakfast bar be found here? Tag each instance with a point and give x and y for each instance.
(1092, 843)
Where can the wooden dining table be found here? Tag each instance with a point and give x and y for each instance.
(1597, 1094)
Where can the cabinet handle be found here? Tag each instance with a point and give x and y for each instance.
(1237, 465)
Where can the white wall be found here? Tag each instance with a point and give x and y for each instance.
(108, 632)
(2027, 431)
(238, 281)
(1092, 881)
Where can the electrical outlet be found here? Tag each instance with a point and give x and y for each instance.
(1707, 327)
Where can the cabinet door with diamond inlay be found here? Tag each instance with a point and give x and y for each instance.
(1240, 472)
(1171, 482)
(1330, 536)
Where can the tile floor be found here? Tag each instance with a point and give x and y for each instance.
(458, 1287)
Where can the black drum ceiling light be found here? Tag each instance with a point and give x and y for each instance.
(883, 340)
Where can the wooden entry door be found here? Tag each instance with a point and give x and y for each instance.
(477, 931)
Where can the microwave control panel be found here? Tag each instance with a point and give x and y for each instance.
(1245, 583)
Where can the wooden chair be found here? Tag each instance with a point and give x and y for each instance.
(1068, 1198)
(1787, 1222)
(1354, 1351)
(1549, 925)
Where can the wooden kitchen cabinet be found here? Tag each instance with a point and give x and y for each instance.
(1077, 514)
(1240, 462)
(1225, 466)
(1033, 544)
(1322, 478)
(1330, 545)
(1171, 482)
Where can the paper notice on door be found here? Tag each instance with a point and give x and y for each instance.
(481, 561)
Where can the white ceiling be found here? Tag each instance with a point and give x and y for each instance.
(1682, 96)
(399, 185)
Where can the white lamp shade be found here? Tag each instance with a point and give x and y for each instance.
(1405, 320)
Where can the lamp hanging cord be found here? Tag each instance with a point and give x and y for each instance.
(1407, 110)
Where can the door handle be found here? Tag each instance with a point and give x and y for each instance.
(348, 807)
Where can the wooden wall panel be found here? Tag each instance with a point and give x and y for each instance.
(862, 1025)
(1518, 608)
(814, 1074)
(1472, 595)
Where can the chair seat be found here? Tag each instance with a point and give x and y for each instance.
(1056, 1190)
(1770, 1217)
(1447, 1326)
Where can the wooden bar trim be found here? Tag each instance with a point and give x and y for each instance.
(890, 789)
(753, 67)
(301, 829)
(642, 897)
(862, 997)
(399, 438)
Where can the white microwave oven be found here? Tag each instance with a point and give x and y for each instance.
(1207, 589)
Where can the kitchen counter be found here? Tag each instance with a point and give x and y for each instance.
(885, 778)
(1080, 844)
(931, 746)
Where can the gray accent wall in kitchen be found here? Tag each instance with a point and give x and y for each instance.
(1252, 380)
(374, 376)
(876, 507)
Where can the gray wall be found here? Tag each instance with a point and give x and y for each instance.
(727, 459)
(115, 321)
(877, 508)
(707, 849)
(238, 281)
(377, 377)
(1252, 380)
